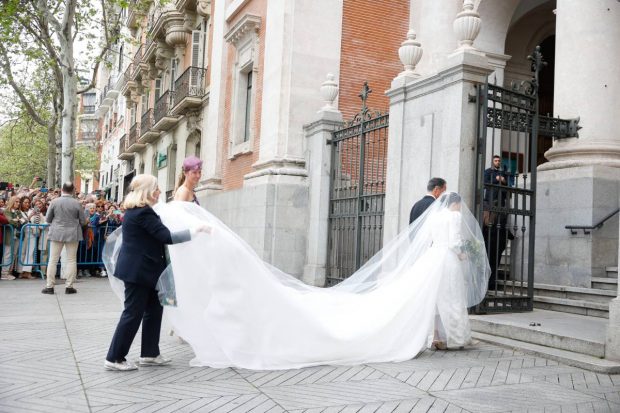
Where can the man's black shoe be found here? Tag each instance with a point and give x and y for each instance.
(48, 290)
(70, 290)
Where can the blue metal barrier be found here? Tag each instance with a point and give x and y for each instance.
(34, 245)
(8, 233)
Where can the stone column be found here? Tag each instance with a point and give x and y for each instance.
(319, 158)
(612, 343)
(579, 184)
(433, 122)
(293, 61)
(213, 119)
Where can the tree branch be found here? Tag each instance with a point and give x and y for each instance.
(104, 50)
(6, 65)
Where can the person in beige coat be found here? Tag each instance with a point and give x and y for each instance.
(66, 218)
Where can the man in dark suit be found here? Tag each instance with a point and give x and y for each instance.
(435, 187)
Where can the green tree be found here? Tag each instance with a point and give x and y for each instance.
(43, 34)
(86, 160)
(23, 145)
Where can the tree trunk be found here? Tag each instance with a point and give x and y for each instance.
(51, 156)
(69, 116)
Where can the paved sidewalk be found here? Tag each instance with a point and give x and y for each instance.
(52, 350)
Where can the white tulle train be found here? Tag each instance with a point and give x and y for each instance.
(235, 310)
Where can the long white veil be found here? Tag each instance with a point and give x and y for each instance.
(236, 310)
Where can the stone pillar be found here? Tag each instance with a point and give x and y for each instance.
(319, 159)
(612, 343)
(433, 126)
(213, 119)
(293, 61)
(587, 86)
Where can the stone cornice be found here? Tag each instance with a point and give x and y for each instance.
(248, 23)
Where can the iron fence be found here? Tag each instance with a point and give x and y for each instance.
(357, 192)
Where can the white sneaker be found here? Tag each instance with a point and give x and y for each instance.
(7, 277)
(120, 366)
(103, 273)
(154, 361)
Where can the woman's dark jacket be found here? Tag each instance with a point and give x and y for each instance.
(141, 259)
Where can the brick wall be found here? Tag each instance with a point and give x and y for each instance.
(372, 31)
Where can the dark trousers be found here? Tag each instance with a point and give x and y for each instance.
(141, 306)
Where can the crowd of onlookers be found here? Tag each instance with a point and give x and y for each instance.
(20, 206)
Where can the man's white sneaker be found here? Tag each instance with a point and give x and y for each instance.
(154, 361)
(120, 366)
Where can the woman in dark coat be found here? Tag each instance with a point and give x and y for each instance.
(140, 262)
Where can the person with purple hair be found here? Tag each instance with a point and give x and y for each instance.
(188, 181)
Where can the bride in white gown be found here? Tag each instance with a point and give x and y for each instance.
(235, 310)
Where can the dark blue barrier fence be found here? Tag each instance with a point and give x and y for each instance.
(32, 245)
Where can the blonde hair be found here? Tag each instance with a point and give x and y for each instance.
(180, 181)
(142, 188)
(10, 204)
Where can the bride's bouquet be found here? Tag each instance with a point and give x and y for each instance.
(475, 252)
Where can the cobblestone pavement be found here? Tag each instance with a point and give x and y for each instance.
(52, 350)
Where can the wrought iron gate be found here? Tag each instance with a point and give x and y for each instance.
(505, 194)
(357, 192)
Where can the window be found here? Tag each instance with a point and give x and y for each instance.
(132, 115)
(248, 107)
(173, 72)
(145, 103)
(199, 45)
(157, 89)
(244, 37)
(120, 60)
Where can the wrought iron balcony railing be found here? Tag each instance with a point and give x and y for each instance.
(190, 84)
(122, 144)
(134, 134)
(146, 122)
(88, 136)
(88, 109)
(162, 106)
(137, 57)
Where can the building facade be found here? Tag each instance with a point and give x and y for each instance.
(262, 91)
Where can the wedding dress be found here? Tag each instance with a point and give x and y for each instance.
(235, 310)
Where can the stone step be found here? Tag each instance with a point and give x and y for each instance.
(575, 333)
(570, 358)
(565, 305)
(605, 283)
(595, 295)
(611, 272)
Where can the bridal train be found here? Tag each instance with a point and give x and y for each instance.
(235, 310)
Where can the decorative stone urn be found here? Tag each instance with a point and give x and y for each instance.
(410, 53)
(329, 92)
(467, 25)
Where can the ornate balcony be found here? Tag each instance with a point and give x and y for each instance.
(133, 145)
(189, 90)
(162, 117)
(123, 153)
(137, 58)
(148, 134)
(127, 82)
(88, 109)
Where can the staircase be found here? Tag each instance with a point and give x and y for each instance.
(593, 301)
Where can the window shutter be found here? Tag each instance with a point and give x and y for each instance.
(157, 89)
(196, 48)
(173, 72)
(145, 103)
